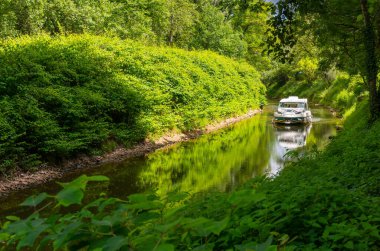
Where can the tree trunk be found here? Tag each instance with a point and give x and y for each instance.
(171, 32)
(371, 61)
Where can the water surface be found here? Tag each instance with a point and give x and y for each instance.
(218, 161)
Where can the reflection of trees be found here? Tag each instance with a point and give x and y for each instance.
(320, 134)
(213, 161)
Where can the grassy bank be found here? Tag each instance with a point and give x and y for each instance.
(327, 201)
(341, 91)
(65, 96)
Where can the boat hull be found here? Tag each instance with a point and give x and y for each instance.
(291, 120)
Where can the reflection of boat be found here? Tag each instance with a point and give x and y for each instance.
(291, 137)
(292, 110)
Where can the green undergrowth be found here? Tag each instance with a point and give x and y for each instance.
(64, 96)
(327, 201)
(342, 93)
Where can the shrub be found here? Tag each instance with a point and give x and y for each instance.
(68, 95)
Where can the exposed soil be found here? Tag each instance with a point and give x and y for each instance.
(22, 180)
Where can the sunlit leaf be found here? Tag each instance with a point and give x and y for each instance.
(12, 218)
(137, 198)
(97, 178)
(4, 236)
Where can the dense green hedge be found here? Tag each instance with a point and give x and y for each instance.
(84, 94)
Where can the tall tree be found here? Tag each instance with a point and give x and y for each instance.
(345, 30)
(249, 17)
(214, 32)
(144, 20)
(371, 59)
(182, 15)
(8, 19)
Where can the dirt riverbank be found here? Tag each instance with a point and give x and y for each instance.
(22, 180)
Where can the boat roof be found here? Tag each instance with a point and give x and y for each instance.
(293, 99)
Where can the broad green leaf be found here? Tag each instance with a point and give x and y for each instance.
(166, 227)
(66, 234)
(98, 178)
(36, 228)
(349, 245)
(203, 227)
(137, 198)
(244, 197)
(4, 236)
(165, 247)
(266, 246)
(146, 242)
(69, 196)
(12, 218)
(115, 243)
(246, 246)
(144, 217)
(218, 226)
(34, 201)
(79, 183)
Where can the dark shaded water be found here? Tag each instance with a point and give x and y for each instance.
(221, 161)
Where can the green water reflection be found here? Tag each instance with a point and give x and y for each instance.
(220, 161)
(217, 161)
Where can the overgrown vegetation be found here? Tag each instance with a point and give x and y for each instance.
(345, 34)
(309, 206)
(80, 94)
(338, 90)
(232, 28)
(65, 96)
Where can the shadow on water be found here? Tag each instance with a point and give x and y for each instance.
(218, 161)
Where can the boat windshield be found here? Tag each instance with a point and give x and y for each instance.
(292, 105)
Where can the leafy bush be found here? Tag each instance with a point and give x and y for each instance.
(277, 77)
(68, 95)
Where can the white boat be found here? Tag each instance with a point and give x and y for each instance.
(293, 110)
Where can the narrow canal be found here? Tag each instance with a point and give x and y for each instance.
(218, 161)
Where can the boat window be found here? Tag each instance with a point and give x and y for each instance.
(292, 105)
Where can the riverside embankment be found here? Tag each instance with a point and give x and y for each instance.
(220, 160)
(326, 200)
(44, 174)
(71, 96)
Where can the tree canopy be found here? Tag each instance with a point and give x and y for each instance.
(232, 28)
(346, 32)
